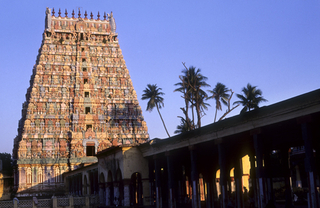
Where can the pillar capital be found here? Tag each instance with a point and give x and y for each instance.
(304, 119)
(155, 157)
(255, 131)
(191, 147)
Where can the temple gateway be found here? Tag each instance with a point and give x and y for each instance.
(82, 135)
(80, 101)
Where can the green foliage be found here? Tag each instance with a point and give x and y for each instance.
(250, 99)
(192, 82)
(220, 94)
(6, 161)
(153, 94)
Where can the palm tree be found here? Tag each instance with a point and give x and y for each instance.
(183, 88)
(251, 99)
(191, 82)
(183, 127)
(153, 94)
(220, 94)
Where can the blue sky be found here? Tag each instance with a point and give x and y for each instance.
(274, 44)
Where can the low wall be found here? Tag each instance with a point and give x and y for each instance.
(54, 202)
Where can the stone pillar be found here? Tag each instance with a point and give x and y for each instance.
(72, 184)
(258, 146)
(71, 201)
(95, 182)
(126, 192)
(76, 181)
(238, 182)
(87, 201)
(54, 202)
(268, 172)
(101, 193)
(194, 178)
(80, 184)
(310, 164)
(223, 175)
(90, 185)
(158, 182)
(209, 181)
(20, 176)
(116, 193)
(33, 176)
(109, 198)
(151, 182)
(253, 189)
(15, 203)
(286, 172)
(171, 202)
(146, 192)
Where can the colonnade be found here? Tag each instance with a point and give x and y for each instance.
(179, 177)
(83, 183)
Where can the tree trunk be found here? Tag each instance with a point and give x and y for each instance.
(187, 109)
(192, 106)
(198, 114)
(162, 120)
(228, 112)
(215, 115)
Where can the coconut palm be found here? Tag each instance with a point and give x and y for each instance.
(183, 127)
(191, 85)
(250, 99)
(220, 94)
(153, 94)
(183, 88)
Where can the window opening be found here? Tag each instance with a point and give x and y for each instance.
(85, 81)
(84, 69)
(83, 60)
(90, 150)
(87, 110)
(86, 94)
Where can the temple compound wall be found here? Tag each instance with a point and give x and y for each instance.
(120, 178)
(80, 101)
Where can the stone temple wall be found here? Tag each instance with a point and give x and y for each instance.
(80, 101)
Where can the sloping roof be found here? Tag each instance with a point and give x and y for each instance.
(302, 105)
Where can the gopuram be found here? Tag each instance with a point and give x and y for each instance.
(80, 101)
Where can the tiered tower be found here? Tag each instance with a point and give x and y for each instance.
(80, 101)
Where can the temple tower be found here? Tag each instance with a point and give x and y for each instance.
(80, 101)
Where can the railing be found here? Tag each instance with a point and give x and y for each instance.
(6, 204)
(54, 202)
